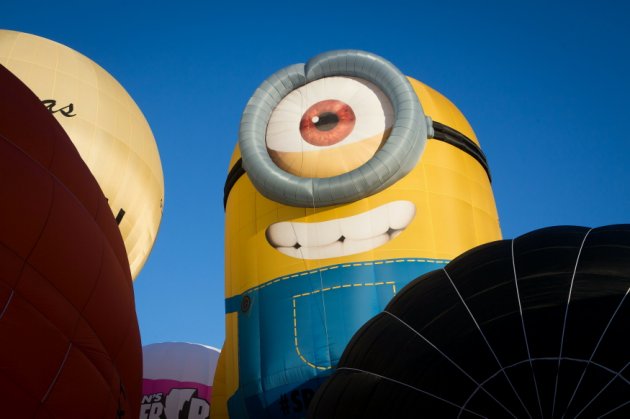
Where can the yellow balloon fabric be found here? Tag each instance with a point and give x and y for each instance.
(107, 128)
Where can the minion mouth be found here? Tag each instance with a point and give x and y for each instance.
(342, 236)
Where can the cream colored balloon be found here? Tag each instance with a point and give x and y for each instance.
(105, 125)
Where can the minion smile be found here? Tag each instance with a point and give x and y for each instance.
(342, 236)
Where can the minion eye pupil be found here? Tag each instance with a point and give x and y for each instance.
(326, 121)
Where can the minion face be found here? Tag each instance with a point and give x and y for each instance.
(343, 188)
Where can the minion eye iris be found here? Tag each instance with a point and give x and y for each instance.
(327, 122)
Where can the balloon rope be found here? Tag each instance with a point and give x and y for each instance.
(54, 381)
(520, 309)
(487, 342)
(564, 323)
(6, 305)
(595, 350)
(493, 376)
(321, 287)
(615, 409)
(321, 277)
(409, 386)
(451, 361)
(304, 102)
(602, 390)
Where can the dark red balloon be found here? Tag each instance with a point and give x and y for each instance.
(69, 339)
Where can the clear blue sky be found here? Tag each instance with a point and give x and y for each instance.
(545, 85)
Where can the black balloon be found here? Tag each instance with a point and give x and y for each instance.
(531, 327)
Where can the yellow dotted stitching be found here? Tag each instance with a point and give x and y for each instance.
(297, 347)
(344, 286)
(330, 268)
(295, 297)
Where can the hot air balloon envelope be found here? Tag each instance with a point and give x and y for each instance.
(177, 380)
(105, 125)
(531, 327)
(70, 339)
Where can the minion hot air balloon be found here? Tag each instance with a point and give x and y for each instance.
(334, 201)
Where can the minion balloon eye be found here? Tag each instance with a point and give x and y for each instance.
(311, 135)
(345, 125)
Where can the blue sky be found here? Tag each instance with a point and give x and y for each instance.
(545, 86)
